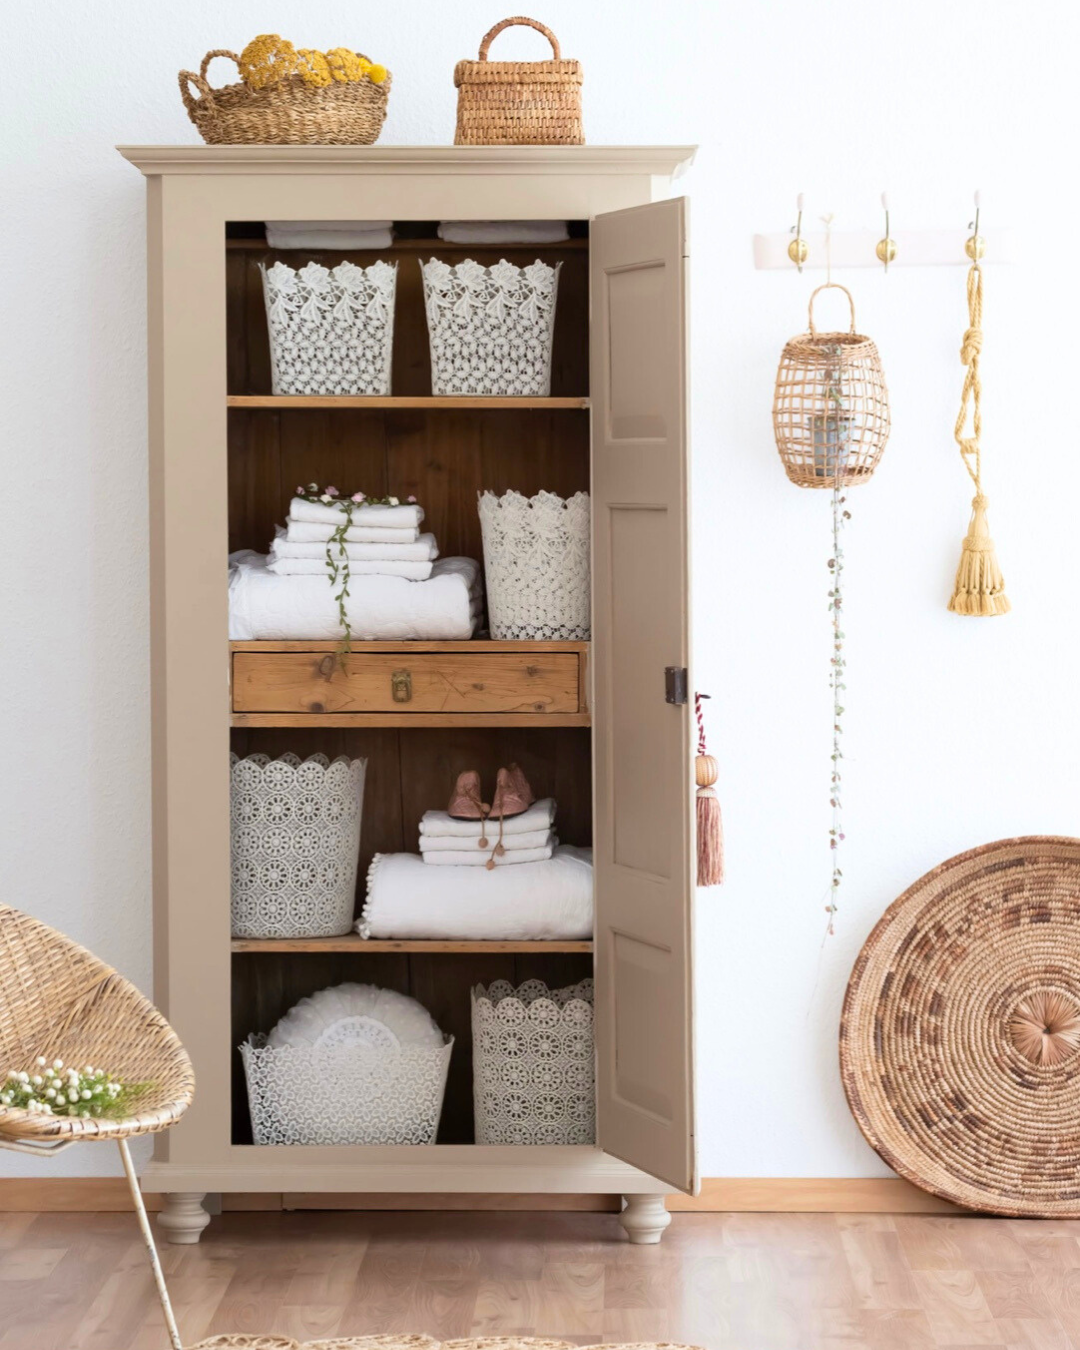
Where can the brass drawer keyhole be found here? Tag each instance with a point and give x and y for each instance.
(401, 686)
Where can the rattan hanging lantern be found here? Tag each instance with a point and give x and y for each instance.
(831, 406)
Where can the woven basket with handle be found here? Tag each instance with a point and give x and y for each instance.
(830, 406)
(518, 102)
(290, 112)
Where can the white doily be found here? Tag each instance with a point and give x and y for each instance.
(490, 327)
(331, 330)
(352, 1093)
(357, 1012)
(536, 565)
(295, 844)
(534, 1075)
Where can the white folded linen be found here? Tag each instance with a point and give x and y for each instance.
(333, 234)
(305, 532)
(503, 231)
(539, 816)
(404, 517)
(450, 843)
(532, 902)
(264, 606)
(316, 567)
(474, 858)
(423, 549)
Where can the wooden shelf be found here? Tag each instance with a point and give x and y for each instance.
(415, 720)
(422, 402)
(406, 245)
(359, 648)
(353, 942)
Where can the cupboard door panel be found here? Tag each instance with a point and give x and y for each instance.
(644, 843)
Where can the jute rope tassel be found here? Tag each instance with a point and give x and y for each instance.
(979, 587)
(710, 827)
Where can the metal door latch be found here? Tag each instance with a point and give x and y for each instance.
(675, 684)
(401, 686)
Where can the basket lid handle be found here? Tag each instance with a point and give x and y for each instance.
(201, 83)
(835, 286)
(530, 23)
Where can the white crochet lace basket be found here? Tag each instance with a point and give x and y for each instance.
(295, 844)
(534, 1076)
(331, 329)
(374, 1091)
(536, 564)
(490, 327)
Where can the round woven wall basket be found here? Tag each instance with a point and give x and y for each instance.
(831, 406)
(960, 1036)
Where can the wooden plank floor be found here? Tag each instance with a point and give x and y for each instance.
(752, 1281)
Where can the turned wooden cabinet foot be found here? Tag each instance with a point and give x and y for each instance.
(644, 1217)
(184, 1217)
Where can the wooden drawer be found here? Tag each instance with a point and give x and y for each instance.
(404, 683)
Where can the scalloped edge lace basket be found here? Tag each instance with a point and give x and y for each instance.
(534, 1063)
(490, 328)
(295, 833)
(537, 566)
(345, 1093)
(331, 329)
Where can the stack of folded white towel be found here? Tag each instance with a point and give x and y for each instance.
(503, 231)
(526, 838)
(380, 541)
(338, 235)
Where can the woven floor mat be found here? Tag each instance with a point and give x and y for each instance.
(401, 1342)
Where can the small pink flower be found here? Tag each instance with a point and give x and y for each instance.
(331, 492)
(411, 500)
(300, 490)
(359, 497)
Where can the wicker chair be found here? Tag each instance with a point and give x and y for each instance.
(58, 1000)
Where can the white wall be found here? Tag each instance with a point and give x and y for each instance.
(959, 731)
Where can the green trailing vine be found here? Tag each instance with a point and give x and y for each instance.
(337, 555)
(840, 515)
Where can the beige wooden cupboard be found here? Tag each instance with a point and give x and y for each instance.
(603, 726)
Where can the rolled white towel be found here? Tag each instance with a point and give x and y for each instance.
(503, 231)
(406, 516)
(461, 858)
(539, 816)
(305, 532)
(423, 549)
(449, 843)
(314, 567)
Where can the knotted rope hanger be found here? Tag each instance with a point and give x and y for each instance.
(979, 588)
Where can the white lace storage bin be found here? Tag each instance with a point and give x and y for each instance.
(331, 329)
(536, 563)
(490, 327)
(373, 1093)
(295, 844)
(534, 1076)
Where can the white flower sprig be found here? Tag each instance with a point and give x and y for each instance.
(58, 1091)
(337, 555)
(840, 515)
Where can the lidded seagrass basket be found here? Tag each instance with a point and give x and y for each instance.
(290, 111)
(518, 102)
(830, 406)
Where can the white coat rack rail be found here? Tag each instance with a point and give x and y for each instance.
(856, 248)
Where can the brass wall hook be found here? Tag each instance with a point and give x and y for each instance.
(886, 248)
(798, 250)
(975, 247)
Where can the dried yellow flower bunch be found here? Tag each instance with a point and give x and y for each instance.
(269, 58)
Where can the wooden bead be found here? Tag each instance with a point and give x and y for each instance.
(706, 770)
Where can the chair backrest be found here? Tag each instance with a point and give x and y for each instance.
(56, 997)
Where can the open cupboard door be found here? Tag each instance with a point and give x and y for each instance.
(643, 828)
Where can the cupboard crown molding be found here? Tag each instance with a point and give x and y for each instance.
(668, 161)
